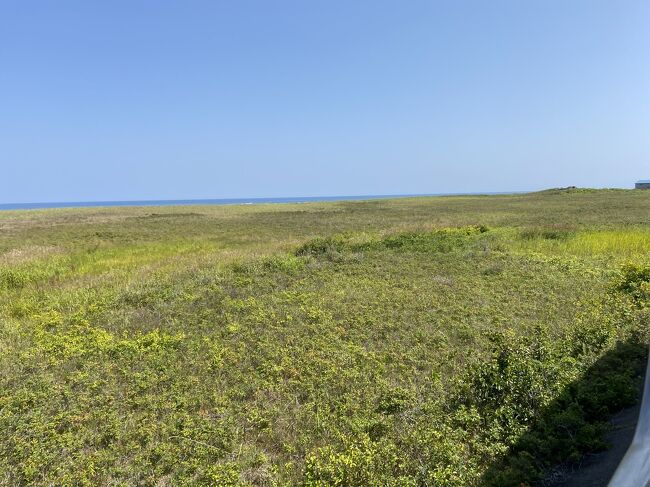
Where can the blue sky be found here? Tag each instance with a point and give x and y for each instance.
(212, 99)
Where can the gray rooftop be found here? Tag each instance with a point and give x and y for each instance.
(644, 181)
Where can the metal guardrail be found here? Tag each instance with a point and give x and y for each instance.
(634, 469)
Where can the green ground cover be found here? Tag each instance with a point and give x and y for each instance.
(422, 341)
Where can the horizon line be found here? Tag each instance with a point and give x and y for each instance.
(234, 201)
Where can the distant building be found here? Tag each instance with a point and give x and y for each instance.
(643, 184)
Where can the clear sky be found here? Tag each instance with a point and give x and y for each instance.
(133, 99)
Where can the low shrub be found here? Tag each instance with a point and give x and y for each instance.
(634, 280)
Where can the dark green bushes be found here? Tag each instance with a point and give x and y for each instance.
(324, 245)
(394, 400)
(554, 232)
(442, 240)
(561, 392)
(635, 281)
(571, 424)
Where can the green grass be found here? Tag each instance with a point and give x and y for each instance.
(421, 341)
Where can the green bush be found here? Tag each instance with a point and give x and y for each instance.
(635, 281)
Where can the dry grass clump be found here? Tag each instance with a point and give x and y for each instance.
(28, 253)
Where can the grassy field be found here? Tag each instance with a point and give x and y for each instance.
(457, 341)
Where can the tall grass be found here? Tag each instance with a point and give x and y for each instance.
(618, 244)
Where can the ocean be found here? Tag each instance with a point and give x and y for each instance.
(223, 201)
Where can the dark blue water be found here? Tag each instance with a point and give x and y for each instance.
(225, 201)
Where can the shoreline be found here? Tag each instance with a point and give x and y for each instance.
(231, 201)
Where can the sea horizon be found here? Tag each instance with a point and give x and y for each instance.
(231, 201)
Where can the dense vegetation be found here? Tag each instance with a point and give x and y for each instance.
(426, 341)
